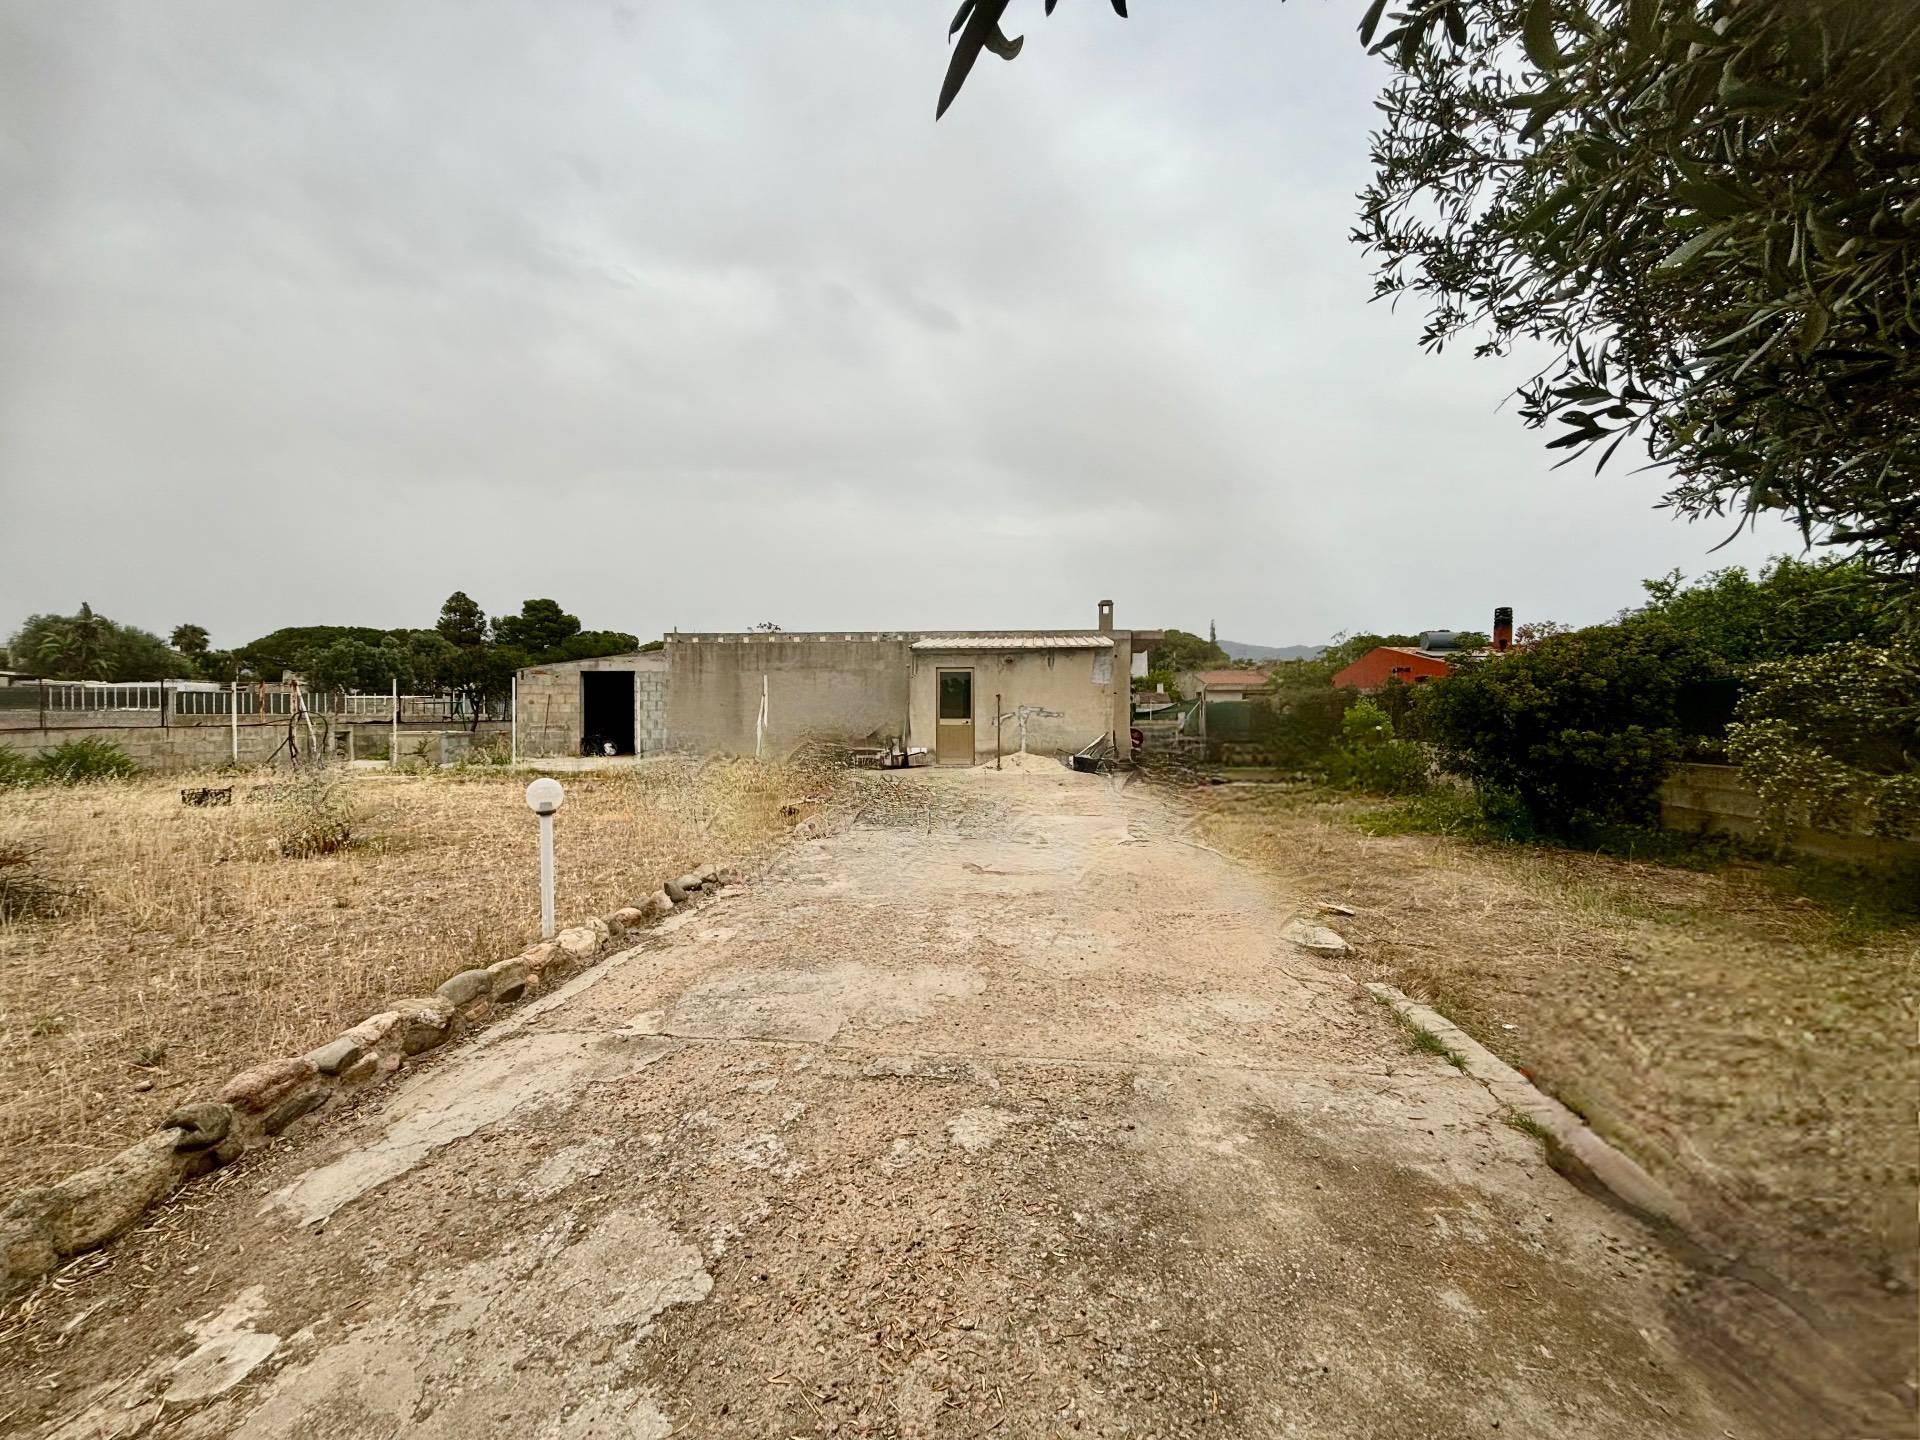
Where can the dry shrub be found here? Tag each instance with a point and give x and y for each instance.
(316, 815)
(199, 947)
(24, 891)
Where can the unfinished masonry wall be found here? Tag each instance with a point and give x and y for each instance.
(549, 704)
(846, 687)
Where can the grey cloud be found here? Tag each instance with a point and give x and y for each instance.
(320, 312)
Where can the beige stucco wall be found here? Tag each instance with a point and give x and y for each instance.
(819, 686)
(547, 706)
(1059, 680)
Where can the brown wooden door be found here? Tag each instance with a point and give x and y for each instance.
(953, 712)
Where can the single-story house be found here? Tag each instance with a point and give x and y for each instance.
(1223, 684)
(1432, 658)
(954, 693)
(1385, 663)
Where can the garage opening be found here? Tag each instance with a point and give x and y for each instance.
(606, 712)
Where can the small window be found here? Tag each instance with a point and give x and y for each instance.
(956, 694)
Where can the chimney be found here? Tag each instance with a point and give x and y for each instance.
(1503, 628)
(1106, 617)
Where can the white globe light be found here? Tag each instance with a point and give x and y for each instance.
(545, 795)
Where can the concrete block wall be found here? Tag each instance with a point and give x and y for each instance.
(1714, 797)
(549, 704)
(174, 747)
(650, 711)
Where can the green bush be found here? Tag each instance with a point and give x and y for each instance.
(17, 769)
(1299, 725)
(1370, 757)
(1832, 738)
(77, 761)
(1578, 729)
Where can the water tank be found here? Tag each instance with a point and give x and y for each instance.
(1440, 640)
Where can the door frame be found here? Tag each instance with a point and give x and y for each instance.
(948, 734)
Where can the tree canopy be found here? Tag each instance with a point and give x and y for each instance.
(1791, 607)
(1709, 210)
(88, 646)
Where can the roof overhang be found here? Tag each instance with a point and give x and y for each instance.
(960, 643)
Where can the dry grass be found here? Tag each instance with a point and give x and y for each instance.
(192, 942)
(1745, 1045)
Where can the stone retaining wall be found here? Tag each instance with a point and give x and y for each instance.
(46, 1225)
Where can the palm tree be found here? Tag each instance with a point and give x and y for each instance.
(189, 639)
(75, 647)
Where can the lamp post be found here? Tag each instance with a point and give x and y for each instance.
(544, 796)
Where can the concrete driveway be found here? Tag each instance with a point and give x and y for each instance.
(1000, 1111)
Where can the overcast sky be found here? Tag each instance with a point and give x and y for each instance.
(687, 314)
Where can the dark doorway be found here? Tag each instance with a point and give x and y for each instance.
(606, 712)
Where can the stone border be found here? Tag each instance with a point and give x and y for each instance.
(44, 1226)
(1588, 1156)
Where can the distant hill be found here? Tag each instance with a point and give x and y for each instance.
(1237, 651)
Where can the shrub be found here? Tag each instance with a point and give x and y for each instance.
(1831, 738)
(316, 816)
(1579, 729)
(17, 769)
(494, 750)
(1299, 725)
(24, 890)
(1370, 757)
(75, 762)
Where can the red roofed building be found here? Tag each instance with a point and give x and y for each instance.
(1374, 669)
(1431, 659)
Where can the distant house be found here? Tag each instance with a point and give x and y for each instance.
(1223, 684)
(1431, 659)
(1384, 663)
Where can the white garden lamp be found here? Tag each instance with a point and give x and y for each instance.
(544, 796)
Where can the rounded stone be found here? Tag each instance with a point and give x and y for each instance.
(305, 1102)
(336, 1055)
(424, 1024)
(200, 1125)
(466, 987)
(578, 943)
(507, 979)
(100, 1202)
(263, 1085)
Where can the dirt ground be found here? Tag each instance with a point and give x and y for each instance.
(1745, 1048)
(998, 1110)
(187, 946)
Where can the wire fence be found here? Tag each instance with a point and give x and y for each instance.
(55, 704)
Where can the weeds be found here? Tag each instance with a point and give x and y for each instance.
(74, 762)
(316, 815)
(1527, 1125)
(17, 769)
(1428, 1043)
(24, 891)
(1860, 900)
(194, 923)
